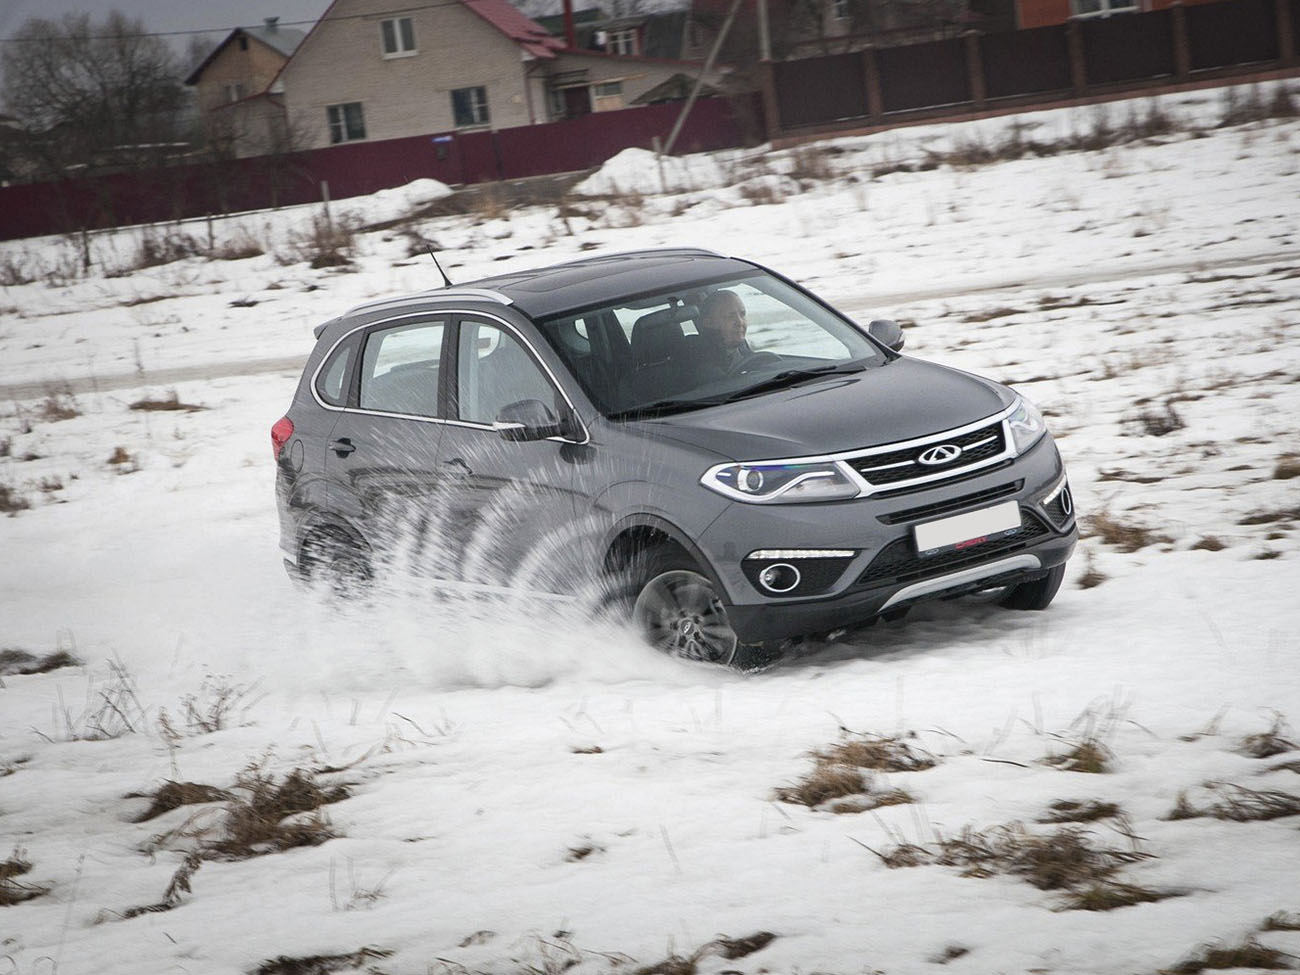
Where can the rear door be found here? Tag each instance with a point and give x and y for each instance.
(511, 505)
(381, 457)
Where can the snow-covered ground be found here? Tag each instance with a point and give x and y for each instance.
(532, 792)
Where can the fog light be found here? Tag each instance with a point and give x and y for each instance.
(1067, 501)
(779, 578)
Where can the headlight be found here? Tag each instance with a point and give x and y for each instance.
(1026, 425)
(781, 483)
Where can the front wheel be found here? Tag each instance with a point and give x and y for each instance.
(678, 611)
(1037, 594)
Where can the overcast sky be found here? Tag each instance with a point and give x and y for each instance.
(219, 16)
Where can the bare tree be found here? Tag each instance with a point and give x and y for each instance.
(90, 94)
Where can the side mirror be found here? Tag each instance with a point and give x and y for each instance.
(527, 419)
(887, 332)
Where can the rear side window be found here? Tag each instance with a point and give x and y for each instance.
(332, 380)
(399, 369)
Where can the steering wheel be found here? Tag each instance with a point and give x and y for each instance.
(754, 360)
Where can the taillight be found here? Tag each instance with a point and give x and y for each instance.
(280, 434)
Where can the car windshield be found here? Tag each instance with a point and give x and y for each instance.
(702, 344)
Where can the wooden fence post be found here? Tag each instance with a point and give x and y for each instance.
(1182, 46)
(871, 76)
(975, 67)
(1285, 32)
(1078, 67)
(771, 107)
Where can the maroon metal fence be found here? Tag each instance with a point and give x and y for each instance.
(920, 75)
(356, 169)
(1222, 34)
(1025, 62)
(1128, 48)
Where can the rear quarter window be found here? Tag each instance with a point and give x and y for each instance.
(332, 380)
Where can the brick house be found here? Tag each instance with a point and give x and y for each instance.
(367, 73)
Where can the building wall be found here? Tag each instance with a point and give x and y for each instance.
(637, 75)
(253, 68)
(342, 61)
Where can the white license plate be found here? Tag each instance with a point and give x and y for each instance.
(963, 531)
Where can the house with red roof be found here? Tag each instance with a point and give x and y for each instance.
(370, 70)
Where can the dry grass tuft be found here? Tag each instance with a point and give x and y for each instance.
(838, 772)
(1281, 921)
(823, 783)
(1209, 543)
(1237, 804)
(14, 662)
(170, 402)
(1287, 467)
(1266, 744)
(125, 461)
(1248, 954)
(878, 753)
(1070, 811)
(172, 795)
(1271, 517)
(729, 948)
(272, 817)
(321, 964)
(217, 705)
(1127, 537)
(178, 885)
(1089, 756)
(1065, 860)
(14, 891)
(1153, 421)
(1092, 576)
(59, 405)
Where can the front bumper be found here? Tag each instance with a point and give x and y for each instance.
(887, 572)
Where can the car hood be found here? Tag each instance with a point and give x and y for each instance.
(905, 399)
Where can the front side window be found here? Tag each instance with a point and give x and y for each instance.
(399, 369)
(469, 106)
(397, 36)
(347, 122)
(493, 370)
(706, 343)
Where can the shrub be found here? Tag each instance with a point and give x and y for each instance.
(170, 402)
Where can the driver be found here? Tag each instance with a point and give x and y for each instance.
(722, 329)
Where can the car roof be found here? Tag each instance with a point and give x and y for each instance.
(585, 283)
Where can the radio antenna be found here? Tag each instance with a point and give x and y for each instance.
(446, 281)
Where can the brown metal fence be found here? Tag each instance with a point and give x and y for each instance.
(1223, 34)
(921, 75)
(1083, 57)
(1025, 62)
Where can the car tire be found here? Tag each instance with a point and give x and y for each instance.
(334, 561)
(675, 607)
(1034, 595)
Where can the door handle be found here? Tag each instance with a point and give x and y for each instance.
(343, 446)
(459, 464)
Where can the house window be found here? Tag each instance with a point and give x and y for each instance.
(243, 43)
(397, 37)
(1102, 8)
(621, 42)
(469, 106)
(232, 91)
(840, 8)
(607, 96)
(347, 123)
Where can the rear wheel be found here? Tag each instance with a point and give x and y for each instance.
(1037, 594)
(337, 562)
(678, 611)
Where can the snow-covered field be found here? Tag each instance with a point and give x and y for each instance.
(531, 792)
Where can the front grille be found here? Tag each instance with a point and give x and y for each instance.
(903, 465)
(936, 508)
(898, 562)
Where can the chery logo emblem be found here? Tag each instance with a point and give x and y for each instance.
(945, 453)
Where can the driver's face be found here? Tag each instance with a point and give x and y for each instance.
(725, 322)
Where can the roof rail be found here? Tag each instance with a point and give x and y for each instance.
(480, 294)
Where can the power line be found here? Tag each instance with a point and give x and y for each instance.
(227, 30)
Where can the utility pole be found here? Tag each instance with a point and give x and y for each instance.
(699, 82)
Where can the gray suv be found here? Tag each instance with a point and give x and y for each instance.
(731, 460)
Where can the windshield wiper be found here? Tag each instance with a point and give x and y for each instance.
(662, 407)
(792, 376)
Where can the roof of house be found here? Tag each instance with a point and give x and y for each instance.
(527, 33)
(282, 40)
